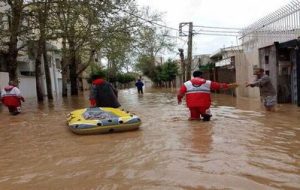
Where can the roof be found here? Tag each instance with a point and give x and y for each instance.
(220, 51)
(223, 62)
(287, 44)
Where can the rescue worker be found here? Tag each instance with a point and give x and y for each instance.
(11, 97)
(103, 94)
(197, 92)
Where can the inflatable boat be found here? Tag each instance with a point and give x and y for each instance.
(102, 120)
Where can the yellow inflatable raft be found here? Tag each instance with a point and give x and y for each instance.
(102, 120)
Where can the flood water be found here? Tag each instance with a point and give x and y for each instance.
(242, 147)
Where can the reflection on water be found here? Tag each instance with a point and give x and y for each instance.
(242, 147)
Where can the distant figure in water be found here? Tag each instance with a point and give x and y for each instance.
(11, 97)
(267, 90)
(103, 94)
(197, 92)
(139, 85)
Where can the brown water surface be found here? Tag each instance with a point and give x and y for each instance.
(243, 147)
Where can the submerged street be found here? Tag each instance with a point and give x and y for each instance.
(242, 147)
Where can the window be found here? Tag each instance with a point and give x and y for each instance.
(266, 59)
(27, 73)
(58, 64)
(268, 73)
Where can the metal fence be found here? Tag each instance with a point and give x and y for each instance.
(281, 25)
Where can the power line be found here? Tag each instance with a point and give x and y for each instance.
(203, 32)
(171, 28)
(218, 31)
(212, 34)
(218, 27)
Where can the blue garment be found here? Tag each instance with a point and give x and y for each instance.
(139, 84)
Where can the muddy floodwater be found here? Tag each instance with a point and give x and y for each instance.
(242, 147)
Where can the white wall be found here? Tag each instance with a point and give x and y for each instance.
(241, 71)
(251, 60)
(3, 79)
(55, 74)
(27, 86)
(59, 85)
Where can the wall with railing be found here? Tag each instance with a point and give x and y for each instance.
(281, 25)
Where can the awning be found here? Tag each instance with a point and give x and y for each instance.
(223, 62)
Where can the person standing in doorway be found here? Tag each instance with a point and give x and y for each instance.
(267, 90)
(139, 85)
(11, 97)
(197, 92)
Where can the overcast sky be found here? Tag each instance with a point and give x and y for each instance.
(222, 13)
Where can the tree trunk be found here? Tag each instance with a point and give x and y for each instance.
(43, 17)
(113, 74)
(64, 66)
(83, 67)
(47, 71)
(12, 60)
(14, 20)
(73, 77)
(64, 76)
(38, 73)
(73, 69)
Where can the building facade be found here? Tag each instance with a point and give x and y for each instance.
(227, 66)
(265, 45)
(281, 62)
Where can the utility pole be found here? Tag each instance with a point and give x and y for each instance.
(298, 69)
(182, 64)
(189, 54)
(188, 68)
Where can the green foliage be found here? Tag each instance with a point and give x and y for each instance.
(155, 74)
(145, 64)
(98, 72)
(113, 30)
(125, 78)
(164, 73)
(206, 67)
(169, 71)
(122, 78)
(153, 40)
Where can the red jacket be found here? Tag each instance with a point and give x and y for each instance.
(197, 91)
(11, 96)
